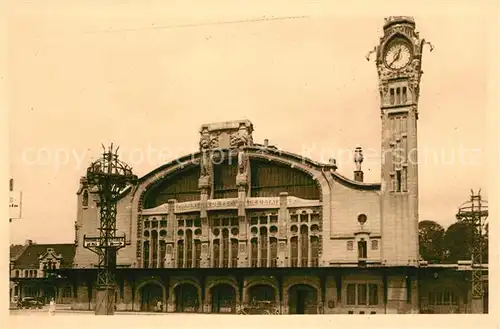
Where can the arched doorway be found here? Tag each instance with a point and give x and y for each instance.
(150, 294)
(261, 299)
(302, 299)
(186, 298)
(223, 298)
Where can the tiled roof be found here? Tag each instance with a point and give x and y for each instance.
(15, 249)
(29, 258)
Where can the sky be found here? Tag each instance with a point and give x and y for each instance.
(146, 75)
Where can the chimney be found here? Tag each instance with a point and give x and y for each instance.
(333, 164)
(358, 159)
(28, 242)
(358, 176)
(266, 142)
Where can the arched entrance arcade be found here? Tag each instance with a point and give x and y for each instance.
(187, 298)
(302, 299)
(150, 293)
(223, 298)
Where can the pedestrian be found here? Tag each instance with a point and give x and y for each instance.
(158, 306)
(52, 307)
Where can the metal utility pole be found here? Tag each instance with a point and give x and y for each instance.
(108, 176)
(475, 213)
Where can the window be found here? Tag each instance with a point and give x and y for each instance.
(146, 254)
(295, 251)
(374, 244)
(263, 246)
(304, 237)
(392, 96)
(351, 294)
(405, 97)
(163, 252)
(216, 253)
(197, 248)
(350, 245)
(180, 253)
(362, 248)
(274, 252)
(154, 247)
(443, 298)
(398, 95)
(225, 248)
(234, 253)
(85, 198)
(398, 181)
(255, 252)
(17, 273)
(315, 251)
(373, 294)
(189, 248)
(362, 294)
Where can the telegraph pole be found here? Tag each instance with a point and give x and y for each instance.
(475, 213)
(109, 176)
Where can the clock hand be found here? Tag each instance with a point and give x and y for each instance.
(395, 57)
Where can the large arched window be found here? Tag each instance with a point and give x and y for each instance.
(225, 248)
(255, 252)
(274, 252)
(154, 247)
(304, 246)
(314, 251)
(263, 247)
(189, 248)
(180, 253)
(234, 253)
(216, 254)
(146, 254)
(163, 252)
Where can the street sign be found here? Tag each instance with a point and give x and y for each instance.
(96, 242)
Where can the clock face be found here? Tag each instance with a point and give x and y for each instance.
(397, 56)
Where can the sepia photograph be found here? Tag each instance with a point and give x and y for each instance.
(301, 158)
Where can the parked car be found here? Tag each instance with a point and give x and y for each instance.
(29, 302)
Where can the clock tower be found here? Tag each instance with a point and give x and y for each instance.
(398, 61)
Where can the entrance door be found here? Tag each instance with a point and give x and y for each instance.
(150, 295)
(186, 298)
(302, 299)
(223, 299)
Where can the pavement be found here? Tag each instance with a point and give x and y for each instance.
(66, 310)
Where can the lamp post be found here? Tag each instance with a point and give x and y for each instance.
(108, 176)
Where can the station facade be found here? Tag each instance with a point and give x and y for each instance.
(244, 227)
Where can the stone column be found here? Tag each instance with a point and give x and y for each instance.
(283, 260)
